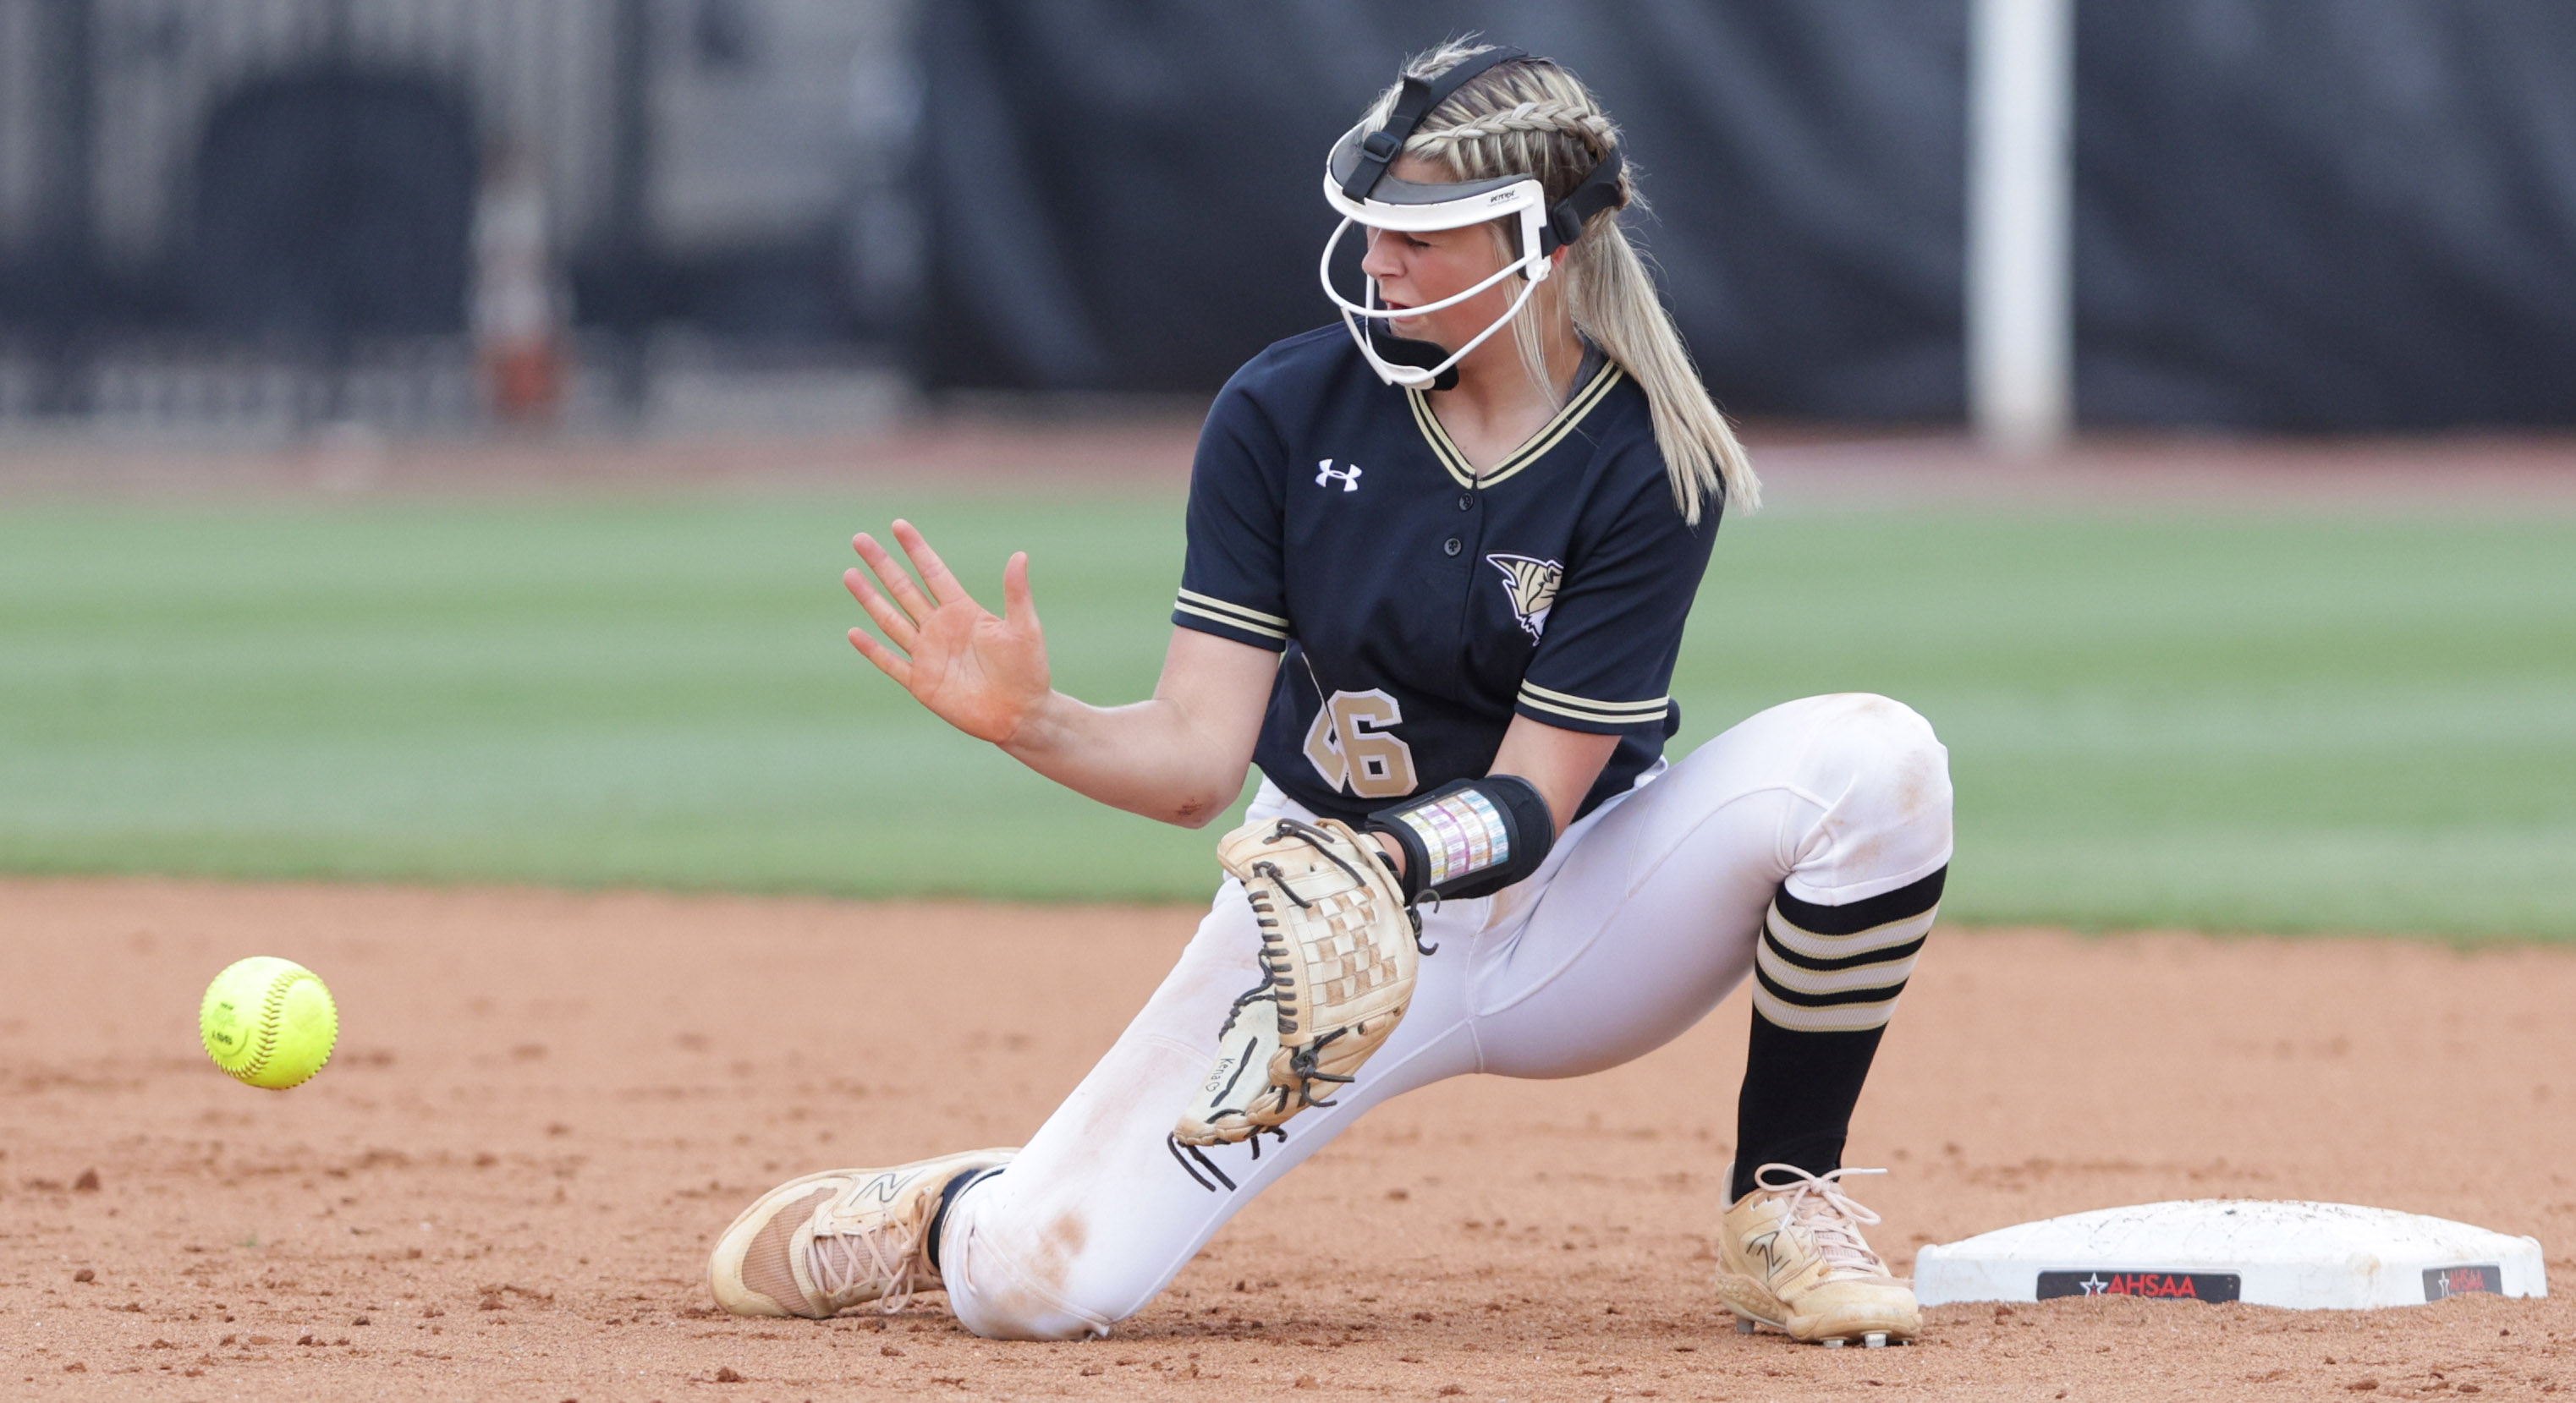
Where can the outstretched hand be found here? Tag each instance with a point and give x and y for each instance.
(984, 675)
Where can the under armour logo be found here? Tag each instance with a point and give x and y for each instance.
(1348, 477)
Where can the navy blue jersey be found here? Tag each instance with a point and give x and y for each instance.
(1421, 607)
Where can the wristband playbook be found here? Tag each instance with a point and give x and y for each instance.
(1470, 837)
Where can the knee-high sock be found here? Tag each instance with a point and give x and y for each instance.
(1826, 980)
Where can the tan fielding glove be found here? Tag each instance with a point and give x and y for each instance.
(1338, 946)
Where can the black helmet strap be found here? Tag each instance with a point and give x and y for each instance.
(1597, 192)
(1413, 102)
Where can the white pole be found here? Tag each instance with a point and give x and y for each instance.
(2021, 340)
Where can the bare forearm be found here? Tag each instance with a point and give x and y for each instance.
(1147, 757)
(1563, 765)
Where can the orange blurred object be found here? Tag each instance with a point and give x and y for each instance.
(518, 307)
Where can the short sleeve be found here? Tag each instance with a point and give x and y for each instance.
(1605, 660)
(1231, 581)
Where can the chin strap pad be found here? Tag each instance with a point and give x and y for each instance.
(1421, 355)
(1470, 837)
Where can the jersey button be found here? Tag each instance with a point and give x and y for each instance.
(1452, 546)
(1466, 501)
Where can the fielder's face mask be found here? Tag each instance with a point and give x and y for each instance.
(1356, 183)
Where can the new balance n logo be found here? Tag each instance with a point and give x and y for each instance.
(1768, 1244)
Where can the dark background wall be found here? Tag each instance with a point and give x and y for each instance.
(1126, 195)
(2313, 214)
(2291, 213)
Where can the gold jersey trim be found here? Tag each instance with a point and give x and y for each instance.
(1539, 445)
(1598, 712)
(1229, 608)
(1232, 615)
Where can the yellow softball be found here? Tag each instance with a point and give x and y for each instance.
(269, 1022)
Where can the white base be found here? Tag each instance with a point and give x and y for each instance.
(2307, 1256)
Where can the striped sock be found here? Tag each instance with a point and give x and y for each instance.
(1825, 983)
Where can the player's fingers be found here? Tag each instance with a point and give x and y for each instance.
(888, 661)
(896, 624)
(935, 574)
(898, 581)
(1019, 606)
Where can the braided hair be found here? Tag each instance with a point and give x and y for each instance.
(1531, 117)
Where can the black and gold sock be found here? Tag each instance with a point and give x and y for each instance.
(1825, 982)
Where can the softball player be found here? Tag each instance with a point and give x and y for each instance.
(1435, 585)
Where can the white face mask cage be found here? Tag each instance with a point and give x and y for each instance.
(1357, 184)
(1405, 206)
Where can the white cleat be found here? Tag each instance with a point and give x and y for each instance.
(818, 1245)
(1791, 1256)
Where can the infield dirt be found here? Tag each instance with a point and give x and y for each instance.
(545, 1106)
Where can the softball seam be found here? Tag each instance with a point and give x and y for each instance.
(272, 1018)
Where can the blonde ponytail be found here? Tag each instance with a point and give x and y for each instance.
(1531, 117)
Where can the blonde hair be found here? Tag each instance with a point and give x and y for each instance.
(1531, 117)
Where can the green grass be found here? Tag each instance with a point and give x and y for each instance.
(2241, 723)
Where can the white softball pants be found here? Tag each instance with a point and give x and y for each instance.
(1643, 917)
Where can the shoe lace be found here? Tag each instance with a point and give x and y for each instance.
(1817, 1203)
(870, 1255)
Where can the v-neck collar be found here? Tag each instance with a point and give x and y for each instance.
(1538, 444)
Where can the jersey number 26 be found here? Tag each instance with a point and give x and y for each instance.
(1351, 746)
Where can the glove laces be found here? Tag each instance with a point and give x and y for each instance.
(1817, 1203)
